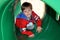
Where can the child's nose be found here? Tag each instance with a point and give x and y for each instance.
(27, 12)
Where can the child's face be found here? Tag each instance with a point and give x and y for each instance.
(27, 11)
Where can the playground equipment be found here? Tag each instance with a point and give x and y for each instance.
(51, 28)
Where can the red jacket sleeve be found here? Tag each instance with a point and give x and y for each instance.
(21, 23)
(37, 19)
(28, 33)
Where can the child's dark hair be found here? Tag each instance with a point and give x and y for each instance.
(26, 4)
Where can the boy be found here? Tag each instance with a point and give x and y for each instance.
(26, 19)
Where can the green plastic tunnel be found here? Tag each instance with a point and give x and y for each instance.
(51, 28)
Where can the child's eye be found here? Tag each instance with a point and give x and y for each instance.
(29, 10)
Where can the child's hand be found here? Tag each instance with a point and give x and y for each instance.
(39, 29)
(31, 35)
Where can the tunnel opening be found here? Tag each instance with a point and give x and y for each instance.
(50, 31)
(50, 13)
